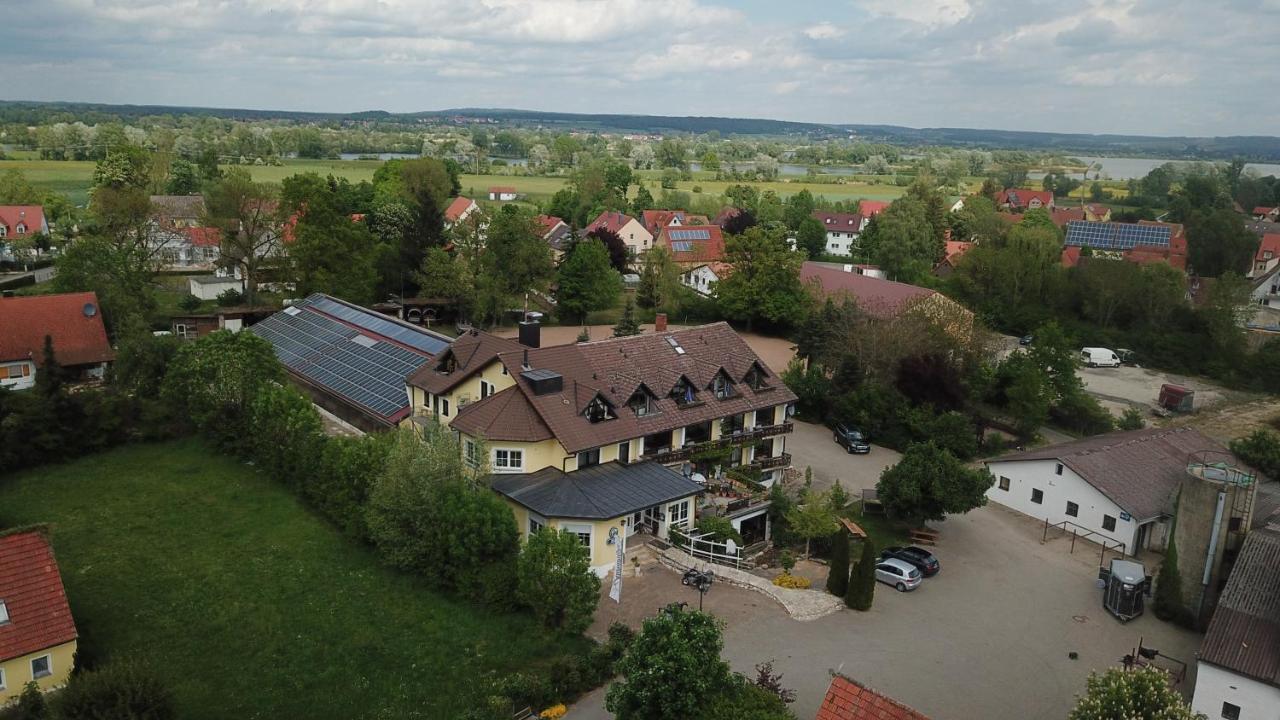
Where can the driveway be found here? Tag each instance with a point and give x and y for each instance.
(812, 445)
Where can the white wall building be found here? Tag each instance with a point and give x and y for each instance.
(1238, 668)
(209, 287)
(701, 279)
(843, 230)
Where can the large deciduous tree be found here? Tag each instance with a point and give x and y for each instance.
(764, 280)
(929, 483)
(673, 670)
(556, 582)
(248, 220)
(586, 281)
(515, 261)
(1143, 692)
(902, 242)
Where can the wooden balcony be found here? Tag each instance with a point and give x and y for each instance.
(769, 463)
(743, 437)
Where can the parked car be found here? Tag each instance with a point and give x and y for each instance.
(899, 574)
(1099, 357)
(1126, 356)
(1026, 339)
(917, 557)
(852, 439)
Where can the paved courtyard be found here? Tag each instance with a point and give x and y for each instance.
(986, 639)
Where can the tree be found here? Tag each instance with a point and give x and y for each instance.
(763, 283)
(184, 178)
(811, 237)
(660, 286)
(446, 276)
(556, 581)
(16, 190)
(515, 261)
(31, 704)
(812, 517)
(1142, 692)
(838, 573)
(212, 381)
(248, 223)
(929, 483)
(586, 281)
(1218, 242)
(672, 670)
(121, 690)
(901, 241)
(799, 207)
(332, 254)
(862, 586)
(627, 324)
(619, 254)
(643, 200)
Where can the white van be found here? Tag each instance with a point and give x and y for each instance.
(1099, 357)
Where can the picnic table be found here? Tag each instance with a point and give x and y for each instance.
(924, 536)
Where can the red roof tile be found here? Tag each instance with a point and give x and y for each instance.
(850, 700)
(78, 338)
(1262, 210)
(846, 222)
(871, 208)
(1022, 197)
(32, 216)
(502, 189)
(457, 208)
(611, 220)
(548, 223)
(32, 591)
(882, 298)
(468, 355)
(686, 248)
(655, 220)
(1071, 256)
(202, 236)
(956, 248)
(1270, 244)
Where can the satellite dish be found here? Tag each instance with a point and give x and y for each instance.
(90, 309)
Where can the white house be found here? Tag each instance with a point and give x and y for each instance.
(842, 229)
(209, 287)
(460, 209)
(1238, 666)
(702, 279)
(1118, 486)
(632, 231)
(502, 194)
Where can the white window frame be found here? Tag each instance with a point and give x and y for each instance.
(469, 452)
(49, 673)
(536, 523)
(511, 460)
(677, 513)
(581, 529)
(486, 389)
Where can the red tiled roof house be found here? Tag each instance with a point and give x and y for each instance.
(848, 699)
(843, 230)
(37, 632)
(632, 231)
(1019, 199)
(72, 320)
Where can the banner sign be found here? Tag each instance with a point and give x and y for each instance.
(615, 592)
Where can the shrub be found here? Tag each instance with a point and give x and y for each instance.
(862, 586)
(792, 582)
(838, 574)
(1131, 419)
(119, 691)
(1081, 413)
(556, 581)
(189, 303)
(955, 433)
(672, 670)
(1261, 450)
(230, 297)
(745, 700)
(719, 528)
(1141, 693)
(787, 560)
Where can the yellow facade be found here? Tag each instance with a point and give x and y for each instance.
(17, 672)
(466, 392)
(603, 555)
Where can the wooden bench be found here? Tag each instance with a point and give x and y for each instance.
(924, 536)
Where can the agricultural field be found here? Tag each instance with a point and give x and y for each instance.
(248, 605)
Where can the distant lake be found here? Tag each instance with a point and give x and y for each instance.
(1118, 168)
(784, 168)
(380, 156)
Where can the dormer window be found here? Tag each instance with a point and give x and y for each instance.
(598, 410)
(755, 378)
(4, 613)
(448, 364)
(22, 229)
(641, 403)
(722, 386)
(683, 392)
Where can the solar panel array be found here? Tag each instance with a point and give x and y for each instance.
(324, 351)
(682, 246)
(1115, 236)
(696, 234)
(385, 327)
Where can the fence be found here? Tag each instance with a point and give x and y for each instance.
(1084, 533)
(698, 546)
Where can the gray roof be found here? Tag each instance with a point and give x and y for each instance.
(212, 280)
(1139, 470)
(599, 492)
(1244, 634)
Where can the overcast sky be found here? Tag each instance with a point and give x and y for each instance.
(1146, 66)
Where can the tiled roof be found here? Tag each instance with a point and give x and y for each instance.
(185, 207)
(599, 492)
(32, 592)
(507, 415)
(871, 208)
(957, 248)
(471, 352)
(30, 215)
(882, 298)
(693, 243)
(850, 700)
(550, 224)
(203, 236)
(1138, 470)
(655, 220)
(611, 220)
(502, 189)
(1270, 244)
(1022, 197)
(846, 222)
(615, 369)
(1244, 634)
(1263, 210)
(457, 208)
(1071, 255)
(73, 320)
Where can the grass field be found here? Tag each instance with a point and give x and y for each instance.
(73, 178)
(247, 604)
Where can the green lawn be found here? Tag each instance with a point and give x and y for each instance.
(246, 603)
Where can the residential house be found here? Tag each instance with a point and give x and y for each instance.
(556, 233)
(1141, 242)
(502, 194)
(37, 632)
(693, 245)
(955, 249)
(187, 246)
(209, 287)
(170, 212)
(585, 437)
(1271, 214)
(848, 699)
(1266, 289)
(73, 321)
(1125, 489)
(632, 231)
(1238, 666)
(843, 230)
(18, 222)
(351, 361)
(880, 298)
(1023, 199)
(870, 208)
(1267, 257)
(655, 220)
(459, 210)
(702, 278)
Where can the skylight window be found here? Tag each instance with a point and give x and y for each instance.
(364, 340)
(291, 310)
(675, 345)
(4, 613)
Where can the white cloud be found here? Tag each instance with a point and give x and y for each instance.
(931, 13)
(823, 31)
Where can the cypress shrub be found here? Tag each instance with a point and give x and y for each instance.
(838, 575)
(862, 586)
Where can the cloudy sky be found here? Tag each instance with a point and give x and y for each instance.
(1161, 67)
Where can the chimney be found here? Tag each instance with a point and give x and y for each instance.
(530, 333)
(660, 322)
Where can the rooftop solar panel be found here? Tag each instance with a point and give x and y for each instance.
(1115, 236)
(682, 246)
(386, 327)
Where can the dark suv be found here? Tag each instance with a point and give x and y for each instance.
(918, 557)
(852, 440)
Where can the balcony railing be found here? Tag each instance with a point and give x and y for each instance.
(769, 463)
(741, 437)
